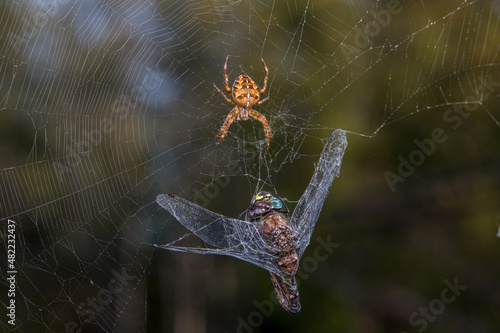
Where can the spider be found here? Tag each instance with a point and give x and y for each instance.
(245, 94)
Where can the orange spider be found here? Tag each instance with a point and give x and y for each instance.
(245, 94)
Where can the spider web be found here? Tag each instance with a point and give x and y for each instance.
(106, 104)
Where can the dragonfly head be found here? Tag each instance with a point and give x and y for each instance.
(264, 203)
(275, 202)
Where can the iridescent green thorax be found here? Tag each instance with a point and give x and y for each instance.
(264, 203)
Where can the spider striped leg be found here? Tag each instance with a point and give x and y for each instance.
(225, 76)
(229, 120)
(261, 101)
(254, 114)
(227, 99)
(265, 79)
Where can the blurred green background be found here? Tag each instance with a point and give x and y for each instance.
(104, 105)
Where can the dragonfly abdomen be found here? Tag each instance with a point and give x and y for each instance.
(287, 294)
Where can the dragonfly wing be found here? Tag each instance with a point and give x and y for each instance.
(309, 207)
(232, 237)
(262, 260)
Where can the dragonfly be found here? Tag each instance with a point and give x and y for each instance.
(266, 237)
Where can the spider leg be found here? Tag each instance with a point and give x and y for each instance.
(229, 120)
(254, 114)
(261, 101)
(265, 79)
(227, 99)
(225, 76)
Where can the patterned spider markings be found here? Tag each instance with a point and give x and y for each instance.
(245, 94)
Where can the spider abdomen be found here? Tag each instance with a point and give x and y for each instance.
(245, 94)
(245, 91)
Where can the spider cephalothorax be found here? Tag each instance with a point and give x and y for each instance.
(245, 94)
